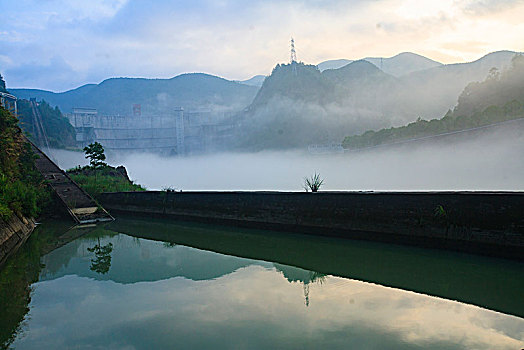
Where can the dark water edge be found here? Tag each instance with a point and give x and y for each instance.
(20, 271)
(490, 283)
(487, 223)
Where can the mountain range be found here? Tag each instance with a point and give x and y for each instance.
(117, 95)
(295, 107)
(398, 65)
(401, 64)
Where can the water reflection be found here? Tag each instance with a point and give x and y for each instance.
(295, 274)
(166, 294)
(102, 260)
(496, 284)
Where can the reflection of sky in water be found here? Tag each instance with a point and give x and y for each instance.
(241, 303)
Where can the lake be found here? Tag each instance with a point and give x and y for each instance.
(142, 283)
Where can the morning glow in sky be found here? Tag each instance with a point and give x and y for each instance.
(61, 44)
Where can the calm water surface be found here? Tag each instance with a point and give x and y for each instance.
(145, 284)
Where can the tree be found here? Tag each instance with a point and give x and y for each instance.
(95, 153)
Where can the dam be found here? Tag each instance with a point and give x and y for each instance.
(177, 132)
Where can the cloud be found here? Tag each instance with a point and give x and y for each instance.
(237, 40)
(56, 74)
(486, 7)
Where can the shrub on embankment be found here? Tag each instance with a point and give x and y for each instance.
(22, 189)
(103, 179)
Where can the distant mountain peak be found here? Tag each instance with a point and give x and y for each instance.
(256, 80)
(398, 65)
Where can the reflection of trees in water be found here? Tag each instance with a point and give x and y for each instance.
(102, 261)
(306, 277)
(20, 271)
(314, 277)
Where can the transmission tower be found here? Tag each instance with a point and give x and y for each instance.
(293, 57)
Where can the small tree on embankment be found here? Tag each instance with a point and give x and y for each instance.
(99, 177)
(95, 153)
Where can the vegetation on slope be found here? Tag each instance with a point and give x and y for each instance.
(103, 179)
(117, 95)
(60, 133)
(22, 188)
(293, 109)
(499, 98)
(98, 177)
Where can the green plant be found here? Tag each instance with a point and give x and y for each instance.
(5, 212)
(103, 181)
(313, 183)
(440, 212)
(95, 153)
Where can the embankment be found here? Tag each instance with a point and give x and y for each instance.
(13, 233)
(490, 223)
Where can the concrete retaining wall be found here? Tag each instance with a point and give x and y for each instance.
(481, 222)
(13, 233)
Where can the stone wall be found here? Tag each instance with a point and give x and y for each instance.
(481, 222)
(13, 233)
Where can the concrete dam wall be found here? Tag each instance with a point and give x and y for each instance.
(479, 222)
(177, 132)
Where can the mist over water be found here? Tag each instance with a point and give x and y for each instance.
(491, 161)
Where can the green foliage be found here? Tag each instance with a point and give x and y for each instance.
(496, 90)
(439, 211)
(5, 211)
(103, 179)
(313, 183)
(59, 131)
(18, 274)
(499, 98)
(307, 84)
(95, 153)
(16, 277)
(22, 188)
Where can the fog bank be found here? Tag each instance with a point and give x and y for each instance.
(492, 161)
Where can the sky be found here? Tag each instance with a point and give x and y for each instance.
(61, 44)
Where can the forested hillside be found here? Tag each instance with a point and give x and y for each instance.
(60, 134)
(117, 95)
(295, 108)
(498, 98)
(22, 189)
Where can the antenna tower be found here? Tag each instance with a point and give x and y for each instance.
(293, 57)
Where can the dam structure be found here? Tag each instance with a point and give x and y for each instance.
(9, 102)
(177, 132)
